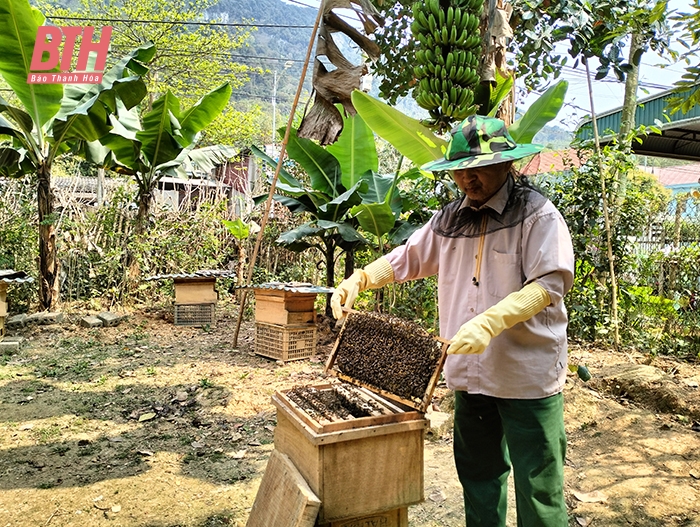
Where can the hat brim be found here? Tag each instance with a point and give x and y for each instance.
(481, 160)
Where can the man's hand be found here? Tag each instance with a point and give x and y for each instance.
(375, 275)
(474, 336)
(346, 292)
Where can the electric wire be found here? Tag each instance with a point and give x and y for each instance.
(180, 22)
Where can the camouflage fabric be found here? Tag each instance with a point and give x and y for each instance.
(480, 141)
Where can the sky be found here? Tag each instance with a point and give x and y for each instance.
(656, 75)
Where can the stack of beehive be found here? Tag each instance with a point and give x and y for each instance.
(285, 320)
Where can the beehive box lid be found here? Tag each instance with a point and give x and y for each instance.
(393, 357)
(11, 276)
(210, 274)
(288, 287)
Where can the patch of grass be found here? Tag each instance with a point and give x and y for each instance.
(151, 371)
(205, 383)
(32, 387)
(217, 456)
(47, 434)
(60, 449)
(88, 450)
(126, 352)
(81, 367)
(47, 485)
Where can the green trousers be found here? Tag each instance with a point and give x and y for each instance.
(490, 434)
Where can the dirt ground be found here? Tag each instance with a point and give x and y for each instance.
(151, 424)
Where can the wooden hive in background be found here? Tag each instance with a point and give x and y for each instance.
(195, 301)
(195, 296)
(285, 342)
(284, 307)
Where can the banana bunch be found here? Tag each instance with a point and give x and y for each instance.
(447, 59)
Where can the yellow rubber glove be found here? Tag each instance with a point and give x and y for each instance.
(519, 306)
(373, 276)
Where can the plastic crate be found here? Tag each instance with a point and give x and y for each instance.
(196, 315)
(285, 343)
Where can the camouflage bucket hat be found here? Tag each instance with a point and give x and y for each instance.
(479, 141)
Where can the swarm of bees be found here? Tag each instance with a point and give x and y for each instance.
(388, 353)
(339, 402)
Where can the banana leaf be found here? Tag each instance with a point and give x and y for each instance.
(19, 23)
(160, 125)
(283, 176)
(334, 210)
(543, 110)
(498, 94)
(323, 168)
(297, 235)
(413, 140)
(377, 218)
(355, 150)
(202, 113)
(347, 232)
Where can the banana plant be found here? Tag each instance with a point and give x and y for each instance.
(345, 193)
(49, 119)
(161, 142)
(420, 145)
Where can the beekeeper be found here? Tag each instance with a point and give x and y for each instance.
(504, 260)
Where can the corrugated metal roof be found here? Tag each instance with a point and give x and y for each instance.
(292, 287)
(680, 138)
(204, 273)
(16, 277)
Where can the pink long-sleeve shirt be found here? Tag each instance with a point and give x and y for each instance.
(529, 360)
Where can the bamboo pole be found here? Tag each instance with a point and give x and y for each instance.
(606, 213)
(283, 150)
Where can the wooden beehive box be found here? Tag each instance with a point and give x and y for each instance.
(276, 306)
(365, 468)
(195, 291)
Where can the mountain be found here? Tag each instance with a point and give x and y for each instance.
(273, 49)
(554, 137)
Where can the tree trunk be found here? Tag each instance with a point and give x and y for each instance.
(349, 262)
(606, 216)
(629, 109)
(144, 204)
(49, 266)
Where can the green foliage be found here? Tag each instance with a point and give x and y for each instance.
(19, 237)
(577, 195)
(238, 228)
(597, 29)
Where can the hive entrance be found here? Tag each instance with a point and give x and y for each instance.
(390, 355)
